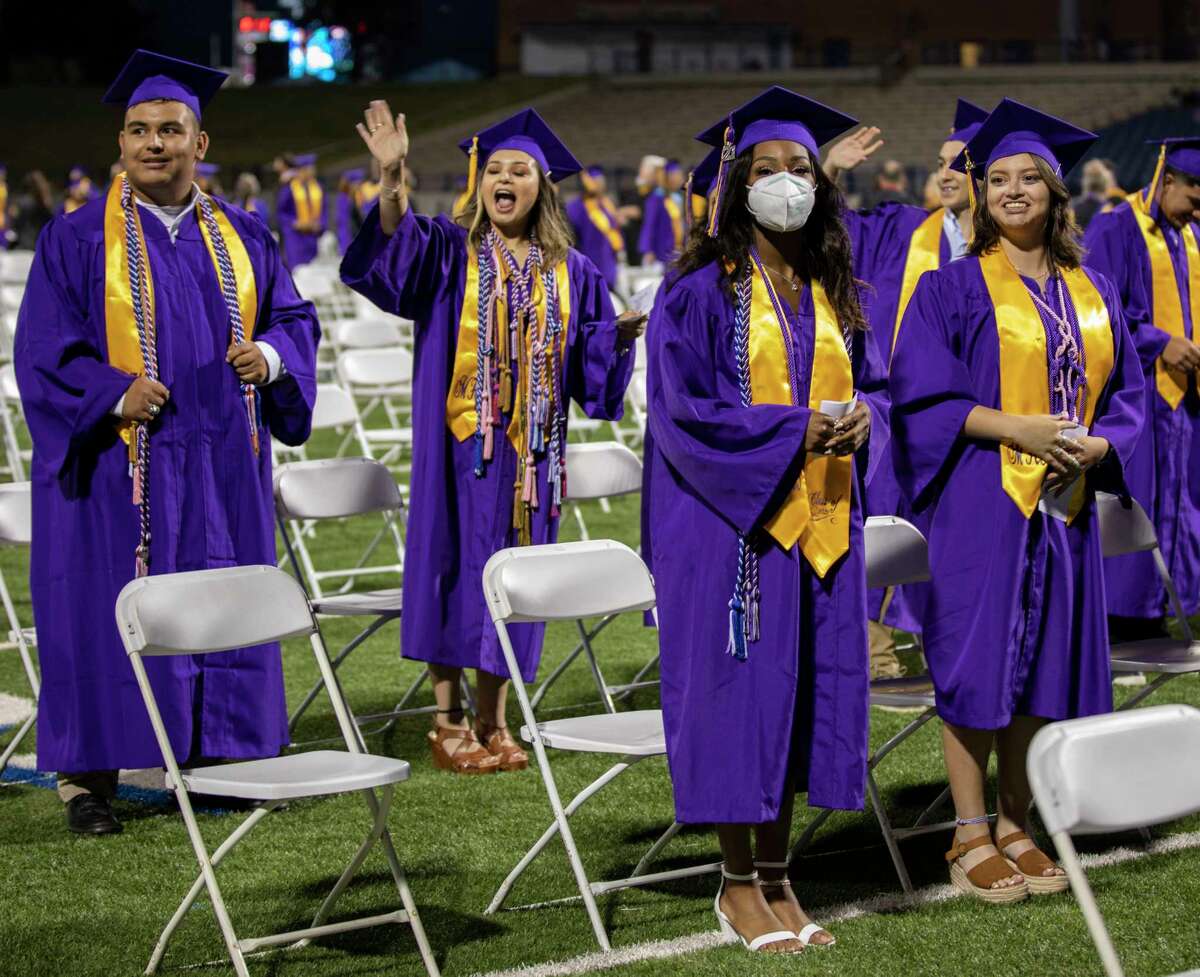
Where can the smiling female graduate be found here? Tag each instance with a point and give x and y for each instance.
(756, 497)
(511, 323)
(1017, 392)
(159, 348)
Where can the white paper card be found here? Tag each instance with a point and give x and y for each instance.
(837, 409)
(1058, 506)
(643, 299)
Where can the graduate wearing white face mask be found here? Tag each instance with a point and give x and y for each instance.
(753, 494)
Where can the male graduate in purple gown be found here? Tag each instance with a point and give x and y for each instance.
(1016, 394)
(300, 211)
(597, 225)
(661, 236)
(1148, 247)
(481, 287)
(151, 423)
(894, 244)
(755, 498)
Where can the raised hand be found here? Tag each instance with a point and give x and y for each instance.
(385, 137)
(852, 151)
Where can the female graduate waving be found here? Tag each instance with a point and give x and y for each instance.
(511, 323)
(764, 387)
(1017, 392)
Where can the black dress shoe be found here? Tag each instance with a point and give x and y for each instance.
(89, 814)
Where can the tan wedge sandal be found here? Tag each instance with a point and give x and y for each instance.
(979, 880)
(1032, 864)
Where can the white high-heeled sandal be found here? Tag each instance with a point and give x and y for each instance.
(810, 929)
(727, 927)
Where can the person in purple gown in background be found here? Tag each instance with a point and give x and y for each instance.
(597, 225)
(208, 179)
(300, 211)
(508, 317)
(1150, 247)
(151, 425)
(661, 237)
(345, 212)
(768, 412)
(1016, 394)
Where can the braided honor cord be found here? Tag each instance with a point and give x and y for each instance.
(557, 458)
(143, 316)
(229, 292)
(486, 392)
(743, 605)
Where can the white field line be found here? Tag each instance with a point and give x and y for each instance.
(887, 902)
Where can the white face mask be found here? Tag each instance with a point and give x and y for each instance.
(781, 201)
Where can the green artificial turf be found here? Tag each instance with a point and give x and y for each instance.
(94, 906)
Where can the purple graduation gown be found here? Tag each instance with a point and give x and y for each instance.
(718, 468)
(1014, 623)
(1164, 471)
(299, 247)
(879, 240)
(211, 499)
(592, 242)
(455, 520)
(657, 237)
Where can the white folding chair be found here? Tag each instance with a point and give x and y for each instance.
(598, 470)
(369, 333)
(896, 553)
(1111, 773)
(240, 607)
(14, 266)
(383, 378)
(1129, 530)
(15, 456)
(307, 492)
(565, 582)
(16, 530)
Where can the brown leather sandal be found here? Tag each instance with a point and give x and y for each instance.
(498, 741)
(1033, 864)
(468, 757)
(979, 880)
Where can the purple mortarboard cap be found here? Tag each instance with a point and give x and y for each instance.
(355, 175)
(778, 113)
(672, 166)
(1012, 128)
(76, 172)
(304, 159)
(148, 76)
(1182, 153)
(589, 175)
(527, 132)
(207, 169)
(705, 173)
(968, 117)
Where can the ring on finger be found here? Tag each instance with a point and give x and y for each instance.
(154, 409)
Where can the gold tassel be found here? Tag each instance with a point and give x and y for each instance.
(460, 205)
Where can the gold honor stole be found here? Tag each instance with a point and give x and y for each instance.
(1168, 309)
(816, 512)
(598, 215)
(124, 348)
(675, 212)
(461, 416)
(3, 206)
(308, 196)
(367, 191)
(924, 254)
(1024, 386)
